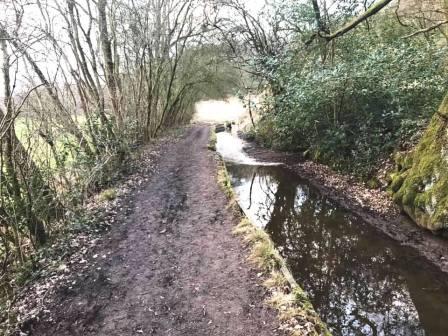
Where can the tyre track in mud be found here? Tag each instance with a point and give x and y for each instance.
(174, 268)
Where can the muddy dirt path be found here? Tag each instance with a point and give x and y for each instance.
(173, 267)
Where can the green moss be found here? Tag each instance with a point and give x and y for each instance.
(108, 194)
(403, 161)
(212, 141)
(409, 197)
(397, 182)
(397, 198)
(420, 183)
(264, 255)
(443, 109)
(224, 181)
(301, 298)
(407, 162)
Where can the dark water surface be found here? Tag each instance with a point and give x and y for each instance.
(360, 281)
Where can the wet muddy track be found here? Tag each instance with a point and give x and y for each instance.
(173, 267)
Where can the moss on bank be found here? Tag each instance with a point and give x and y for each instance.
(295, 310)
(212, 141)
(420, 182)
(108, 194)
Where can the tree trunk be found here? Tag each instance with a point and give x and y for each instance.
(106, 47)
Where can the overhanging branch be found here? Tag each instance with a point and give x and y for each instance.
(372, 10)
(426, 30)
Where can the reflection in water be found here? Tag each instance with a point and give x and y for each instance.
(360, 282)
(231, 148)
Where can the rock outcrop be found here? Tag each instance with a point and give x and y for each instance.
(420, 183)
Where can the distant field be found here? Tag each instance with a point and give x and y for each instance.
(27, 130)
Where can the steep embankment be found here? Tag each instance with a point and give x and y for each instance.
(420, 182)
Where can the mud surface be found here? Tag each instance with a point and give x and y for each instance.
(172, 267)
(373, 206)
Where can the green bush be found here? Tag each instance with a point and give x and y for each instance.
(373, 96)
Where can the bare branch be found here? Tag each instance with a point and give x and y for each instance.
(426, 30)
(373, 9)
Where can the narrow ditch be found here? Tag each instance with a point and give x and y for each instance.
(360, 281)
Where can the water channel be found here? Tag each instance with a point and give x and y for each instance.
(360, 281)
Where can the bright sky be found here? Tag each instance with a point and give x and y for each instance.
(218, 111)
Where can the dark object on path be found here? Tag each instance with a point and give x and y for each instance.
(220, 128)
(229, 126)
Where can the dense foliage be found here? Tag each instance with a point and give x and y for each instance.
(370, 94)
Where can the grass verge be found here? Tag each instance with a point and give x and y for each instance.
(212, 141)
(295, 311)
